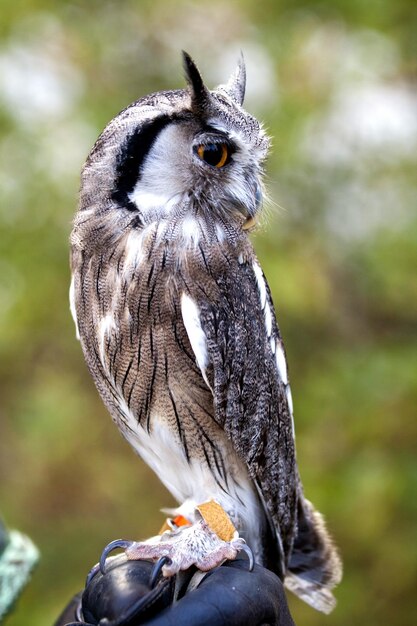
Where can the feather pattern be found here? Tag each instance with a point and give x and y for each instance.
(249, 398)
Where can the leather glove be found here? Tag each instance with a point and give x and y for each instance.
(229, 595)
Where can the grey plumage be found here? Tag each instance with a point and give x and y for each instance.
(177, 323)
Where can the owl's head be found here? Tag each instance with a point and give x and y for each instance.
(189, 156)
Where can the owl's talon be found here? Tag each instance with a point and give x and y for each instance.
(157, 568)
(113, 545)
(245, 548)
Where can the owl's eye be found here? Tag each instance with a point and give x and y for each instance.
(215, 154)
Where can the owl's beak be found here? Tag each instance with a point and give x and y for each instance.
(250, 216)
(250, 222)
(251, 213)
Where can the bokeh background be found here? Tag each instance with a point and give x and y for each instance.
(335, 84)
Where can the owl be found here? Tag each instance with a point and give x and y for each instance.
(178, 330)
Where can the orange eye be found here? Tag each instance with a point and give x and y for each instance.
(215, 154)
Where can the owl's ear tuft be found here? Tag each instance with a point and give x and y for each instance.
(236, 84)
(200, 95)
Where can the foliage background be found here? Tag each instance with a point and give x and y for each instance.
(335, 83)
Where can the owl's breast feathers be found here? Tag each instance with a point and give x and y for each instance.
(188, 334)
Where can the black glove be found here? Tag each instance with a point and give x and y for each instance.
(229, 595)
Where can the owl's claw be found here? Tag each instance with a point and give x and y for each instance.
(245, 548)
(121, 543)
(178, 550)
(113, 545)
(157, 568)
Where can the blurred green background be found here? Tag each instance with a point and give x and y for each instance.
(335, 84)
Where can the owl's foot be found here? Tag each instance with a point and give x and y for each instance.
(189, 545)
(198, 544)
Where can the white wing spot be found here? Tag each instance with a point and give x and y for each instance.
(262, 294)
(72, 306)
(276, 346)
(261, 283)
(289, 399)
(281, 363)
(268, 319)
(198, 341)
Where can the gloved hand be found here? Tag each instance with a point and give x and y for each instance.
(229, 595)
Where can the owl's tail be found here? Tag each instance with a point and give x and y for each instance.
(314, 567)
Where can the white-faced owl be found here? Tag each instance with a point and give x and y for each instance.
(178, 328)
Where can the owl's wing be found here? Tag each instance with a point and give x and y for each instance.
(231, 325)
(230, 321)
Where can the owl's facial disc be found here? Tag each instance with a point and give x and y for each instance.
(211, 170)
